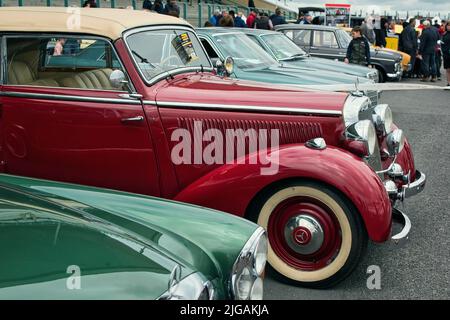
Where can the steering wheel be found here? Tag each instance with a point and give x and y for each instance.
(167, 59)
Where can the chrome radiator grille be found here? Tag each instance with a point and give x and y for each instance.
(373, 96)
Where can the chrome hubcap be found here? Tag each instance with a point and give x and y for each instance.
(303, 234)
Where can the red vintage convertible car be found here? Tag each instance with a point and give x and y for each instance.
(150, 115)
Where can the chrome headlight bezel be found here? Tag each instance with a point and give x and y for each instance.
(383, 119)
(395, 141)
(364, 131)
(250, 263)
(353, 106)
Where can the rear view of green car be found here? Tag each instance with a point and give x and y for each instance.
(64, 241)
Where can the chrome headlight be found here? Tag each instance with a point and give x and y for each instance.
(373, 75)
(383, 118)
(395, 141)
(363, 131)
(193, 287)
(352, 108)
(246, 276)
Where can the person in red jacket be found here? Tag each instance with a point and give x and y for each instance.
(251, 19)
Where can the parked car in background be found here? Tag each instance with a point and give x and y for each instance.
(324, 177)
(251, 62)
(332, 43)
(285, 51)
(122, 246)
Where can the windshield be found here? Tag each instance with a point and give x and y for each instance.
(282, 47)
(344, 38)
(159, 51)
(246, 54)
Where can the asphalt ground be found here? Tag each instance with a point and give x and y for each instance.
(420, 268)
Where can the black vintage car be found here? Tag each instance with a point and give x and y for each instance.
(332, 42)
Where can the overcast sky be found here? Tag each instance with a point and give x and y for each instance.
(425, 6)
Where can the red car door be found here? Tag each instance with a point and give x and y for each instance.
(63, 120)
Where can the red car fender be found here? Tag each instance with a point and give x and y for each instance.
(231, 187)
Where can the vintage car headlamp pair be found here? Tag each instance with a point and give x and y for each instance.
(383, 119)
(248, 270)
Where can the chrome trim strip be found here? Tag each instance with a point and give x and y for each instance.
(61, 97)
(242, 108)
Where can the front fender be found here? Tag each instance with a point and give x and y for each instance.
(231, 187)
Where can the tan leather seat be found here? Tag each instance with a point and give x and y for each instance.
(93, 79)
(20, 73)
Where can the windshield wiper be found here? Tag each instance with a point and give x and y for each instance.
(143, 60)
(295, 56)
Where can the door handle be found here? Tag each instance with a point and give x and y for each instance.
(132, 119)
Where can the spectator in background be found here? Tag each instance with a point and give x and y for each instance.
(208, 24)
(172, 9)
(358, 51)
(251, 3)
(238, 22)
(215, 18)
(251, 19)
(59, 47)
(368, 31)
(381, 34)
(427, 52)
(445, 46)
(263, 22)
(277, 18)
(437, 50)
(158, 6)
(90, 4)
(307, 19)
(408, 42)
(147, 5)
(301, 15)
(226, 21)
(240, 14)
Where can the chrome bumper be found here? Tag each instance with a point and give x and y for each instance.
(415, 187)
(401, 218)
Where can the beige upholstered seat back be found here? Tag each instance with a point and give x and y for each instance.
(20, 73)
(94, 79)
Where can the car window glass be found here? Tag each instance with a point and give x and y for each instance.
(70, 62)
(209, 49)
(300, 37)
(281, 46)
(325, 39)
(169, 50)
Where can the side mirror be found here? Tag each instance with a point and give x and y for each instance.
(226, 67)
(117, 79)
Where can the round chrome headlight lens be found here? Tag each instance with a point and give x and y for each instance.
(395, 141)
(364, 130)
(353, 106)
(383, 118)
(260, 255)
(257, 290)
(244, 284)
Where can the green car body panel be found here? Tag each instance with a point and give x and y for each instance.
(125, 245)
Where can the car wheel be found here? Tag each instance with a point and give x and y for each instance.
(381, 75)
(316, 236)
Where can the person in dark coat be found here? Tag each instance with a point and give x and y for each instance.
(147, 5)
(172, 9)
(263, 22)
(445, 47)
(277, 18)
(158, 6)
(238, 22)
(358, 51)
(408, 42)
(381, 34)
(427, 52)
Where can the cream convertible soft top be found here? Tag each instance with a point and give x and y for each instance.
(110, 23)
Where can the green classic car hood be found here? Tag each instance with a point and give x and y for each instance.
(199, 239)
(330, 65)
(289, 74)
